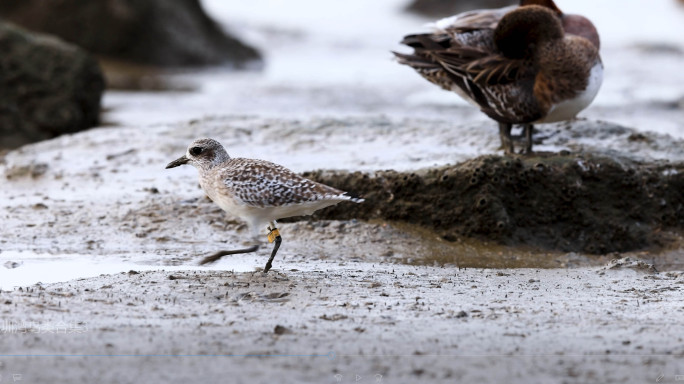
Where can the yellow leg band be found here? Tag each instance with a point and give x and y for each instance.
(273, 234)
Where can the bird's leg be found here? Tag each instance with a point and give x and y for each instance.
(220, 254)
(273, 235)
(505, 136)
(528, 128)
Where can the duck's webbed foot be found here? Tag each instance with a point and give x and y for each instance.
(505, 136)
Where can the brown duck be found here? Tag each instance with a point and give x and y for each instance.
(520, 65)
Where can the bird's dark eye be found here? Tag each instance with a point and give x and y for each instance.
(195, 151)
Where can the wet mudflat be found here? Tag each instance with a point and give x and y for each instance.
(99, 243)
(114, 240)
(315, 320)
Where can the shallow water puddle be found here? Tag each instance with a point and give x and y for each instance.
(473, 253)
(20, 269)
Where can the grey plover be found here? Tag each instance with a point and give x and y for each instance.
(257, 191)
(520, 65)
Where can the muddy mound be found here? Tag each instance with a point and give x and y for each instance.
(573, 203)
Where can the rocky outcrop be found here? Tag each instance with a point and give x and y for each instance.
(444, 8)
(574, 203)
(156, 32)
(47, 87)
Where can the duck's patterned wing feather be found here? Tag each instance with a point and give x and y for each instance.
(491, 80)
(483, 68)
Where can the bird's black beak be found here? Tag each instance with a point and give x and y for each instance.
(179, 161)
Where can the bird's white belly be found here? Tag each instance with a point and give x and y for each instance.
(258, 217)
(234, 209)
(568, 109)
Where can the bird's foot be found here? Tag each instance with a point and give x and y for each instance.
(216, 256)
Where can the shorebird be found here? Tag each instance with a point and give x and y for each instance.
(257, 191)
(524, 64)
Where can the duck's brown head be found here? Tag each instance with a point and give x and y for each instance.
(523, 29)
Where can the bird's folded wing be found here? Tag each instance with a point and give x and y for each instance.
(481, 67)
(280, 188)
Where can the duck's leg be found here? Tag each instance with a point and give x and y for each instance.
(220, 254)
(273, 235)
(528, 129)
(505, 136)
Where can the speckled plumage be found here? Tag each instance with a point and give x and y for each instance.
(257, 191)
(262, 184)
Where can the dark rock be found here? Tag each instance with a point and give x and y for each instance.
(47, 87)
(572, 203)
(444, 8)
(156, 32)
(282, 330)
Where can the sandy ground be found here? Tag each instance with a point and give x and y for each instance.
(346, 300)
(308, 324)
(341, 299)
